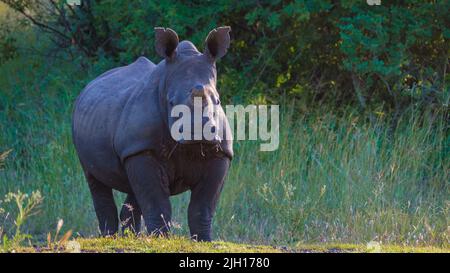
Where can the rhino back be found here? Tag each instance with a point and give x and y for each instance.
(97, 114)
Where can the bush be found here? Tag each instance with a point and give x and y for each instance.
(342, 52)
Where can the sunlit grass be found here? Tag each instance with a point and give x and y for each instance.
(342, 179)
(146, 244)
(3, 9)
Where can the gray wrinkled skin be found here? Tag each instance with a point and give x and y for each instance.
(121, 131)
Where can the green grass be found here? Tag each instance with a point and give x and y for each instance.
(336, 178)
(184, 245)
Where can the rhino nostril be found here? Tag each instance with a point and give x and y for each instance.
(198, 91)
(213, 129)
(198, 87)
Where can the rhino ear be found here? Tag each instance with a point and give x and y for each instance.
(217, 42)
(166, 42)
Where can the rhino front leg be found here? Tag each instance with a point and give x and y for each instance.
(147, 180)
(104, 205)
(204, 198)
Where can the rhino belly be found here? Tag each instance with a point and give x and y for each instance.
(100, 161)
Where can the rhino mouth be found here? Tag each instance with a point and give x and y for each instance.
(199, 142)
(195, 149)
(192, 139)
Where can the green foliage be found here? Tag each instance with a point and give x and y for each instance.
(8, 43)
(403, 45)
(27, 206)
(8, 48)
(335, 51)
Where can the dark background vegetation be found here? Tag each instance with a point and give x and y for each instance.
(340, 52)
(363, 91)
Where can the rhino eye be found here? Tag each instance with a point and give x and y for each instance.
(217, 101)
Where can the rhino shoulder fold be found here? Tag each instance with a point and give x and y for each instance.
(140, 125)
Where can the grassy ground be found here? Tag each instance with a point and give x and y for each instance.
(336, 177)
(183, 245)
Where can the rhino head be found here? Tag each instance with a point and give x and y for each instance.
(188, 92)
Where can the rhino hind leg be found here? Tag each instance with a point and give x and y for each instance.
(130, 215)
(104, 205)
(149, 184)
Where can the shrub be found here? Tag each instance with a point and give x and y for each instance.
(27, 206)
(395, 54)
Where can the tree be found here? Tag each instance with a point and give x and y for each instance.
(342, 52)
